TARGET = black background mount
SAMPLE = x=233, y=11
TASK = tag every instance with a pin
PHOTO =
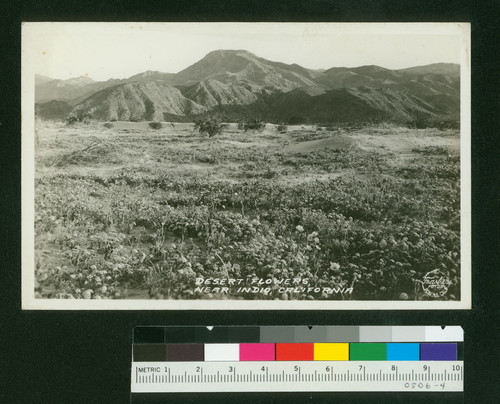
x=84, y=356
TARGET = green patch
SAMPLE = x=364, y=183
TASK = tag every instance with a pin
x=367, y=352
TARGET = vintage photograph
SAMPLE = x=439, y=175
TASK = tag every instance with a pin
x=246, y=166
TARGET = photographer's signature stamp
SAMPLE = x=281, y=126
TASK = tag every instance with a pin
x=435, y=283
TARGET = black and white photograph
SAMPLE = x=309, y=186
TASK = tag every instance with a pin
x=218, y=166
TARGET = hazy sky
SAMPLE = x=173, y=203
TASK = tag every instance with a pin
x=120, y=50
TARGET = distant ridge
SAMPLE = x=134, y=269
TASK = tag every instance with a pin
x=239, y=84
x=41, y=79
x=435, y=68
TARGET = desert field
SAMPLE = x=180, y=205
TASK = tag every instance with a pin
x=315, y=213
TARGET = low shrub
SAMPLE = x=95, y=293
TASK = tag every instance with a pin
x=72, y=119
x=254, y=124
x=155, y=125
x=108, y=125
x=282, y=128
x=78, y=116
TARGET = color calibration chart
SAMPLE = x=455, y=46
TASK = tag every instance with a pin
x=297, y=358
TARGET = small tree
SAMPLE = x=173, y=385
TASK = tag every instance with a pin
x=211, y=125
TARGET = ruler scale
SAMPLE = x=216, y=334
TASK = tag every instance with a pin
x=301, y=359
x=374, y=376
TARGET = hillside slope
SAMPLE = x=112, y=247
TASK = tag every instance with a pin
x=211, y=93
x=53, y=110
x=139, y=101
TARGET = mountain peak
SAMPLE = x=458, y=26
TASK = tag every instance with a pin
x=149, y=73
x=228, y=52
x=228, y=55
x=82, y=80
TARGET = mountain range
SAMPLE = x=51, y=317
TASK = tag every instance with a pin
x=241, y=85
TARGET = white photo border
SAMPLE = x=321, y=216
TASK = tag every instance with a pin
x=29, y=302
